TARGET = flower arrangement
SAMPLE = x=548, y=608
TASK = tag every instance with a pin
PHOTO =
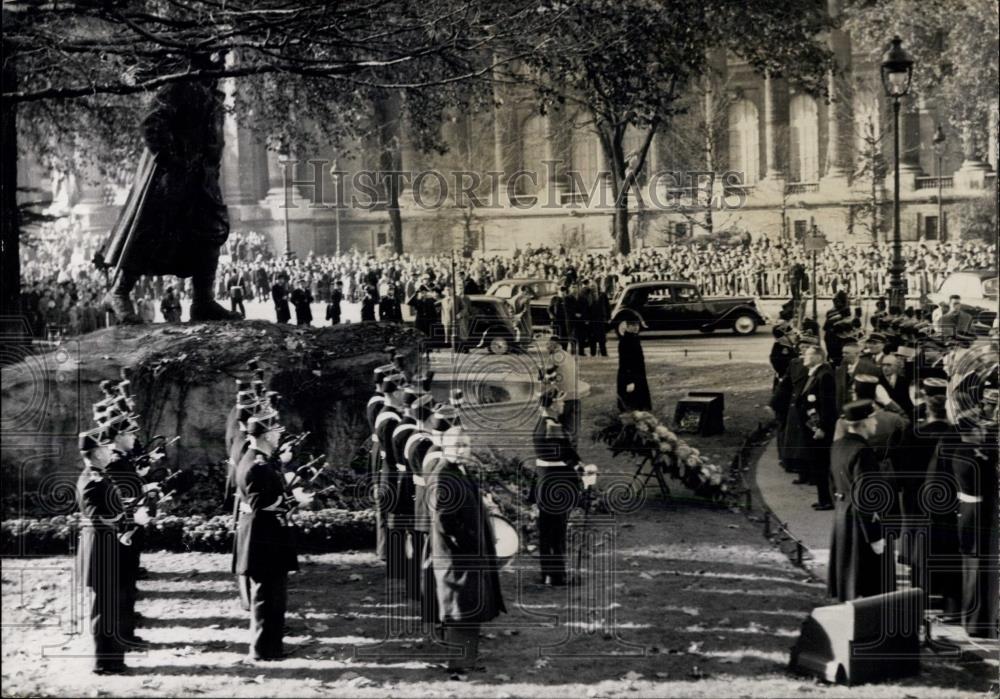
x=640, y=433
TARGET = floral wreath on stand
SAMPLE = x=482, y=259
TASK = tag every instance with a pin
x=641, y=434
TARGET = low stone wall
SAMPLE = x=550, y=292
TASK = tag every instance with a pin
x=183, y=379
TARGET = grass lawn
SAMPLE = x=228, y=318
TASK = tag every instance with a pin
x=680, y=598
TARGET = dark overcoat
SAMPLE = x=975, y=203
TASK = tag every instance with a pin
x=632, y=369
x=463, y=549
x=175, y=209
x=855, y=569
x=99, y=556
x=976, y=475
x=265, y=544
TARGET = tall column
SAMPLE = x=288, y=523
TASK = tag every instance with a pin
x=500, y=129
x=237, y=168
x=839, y=118
x=775, y=134
x=909, y=142
x=557, y=147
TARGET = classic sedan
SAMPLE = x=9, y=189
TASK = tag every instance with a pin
x=542, y=292
x=679, y=305
x=978, y=289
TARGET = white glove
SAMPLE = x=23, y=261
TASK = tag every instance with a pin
x=302, y=497
x=285, y=455
x=289, y=477
x=156, y=455
x=150, y=486
x=142, y=471
x=878, y=547
x=629, y=388
x=141, y=516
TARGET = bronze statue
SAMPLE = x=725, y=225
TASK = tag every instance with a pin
x=174, y=220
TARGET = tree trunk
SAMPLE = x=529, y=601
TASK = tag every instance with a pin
x=387, y=116
x=10, y=225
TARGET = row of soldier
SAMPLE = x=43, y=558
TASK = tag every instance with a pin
x=912, y=414
x=118, y=490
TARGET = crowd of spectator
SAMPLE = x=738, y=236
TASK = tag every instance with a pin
x=62, y=291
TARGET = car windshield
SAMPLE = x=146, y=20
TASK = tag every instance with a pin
x=543, y=288
x=990, y=288
x=485, y=309
x=964, y=285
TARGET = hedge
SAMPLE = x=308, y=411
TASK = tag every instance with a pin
x=320, y=531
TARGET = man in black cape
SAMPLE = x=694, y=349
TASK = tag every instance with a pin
x=174, y=220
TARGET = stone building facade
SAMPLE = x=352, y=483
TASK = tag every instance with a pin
x=799, y=162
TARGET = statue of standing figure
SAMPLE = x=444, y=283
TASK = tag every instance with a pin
x=174, y=220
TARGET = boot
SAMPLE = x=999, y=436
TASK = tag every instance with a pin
x=203, y=303
x=119, y=301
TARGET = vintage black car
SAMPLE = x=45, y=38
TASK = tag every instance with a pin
x=492, y=326
x=542, y=291
x=978, y=290
x=679, y=305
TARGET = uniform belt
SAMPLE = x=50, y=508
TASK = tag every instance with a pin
x=419, y=480
x=544, y=464
x=965, y=497
x=245, y=509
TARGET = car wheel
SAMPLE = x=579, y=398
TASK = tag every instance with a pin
x=745, y=325
x=498, y=345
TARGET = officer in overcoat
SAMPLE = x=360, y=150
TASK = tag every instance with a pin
x=463, y=551
x=859, y=563
x=557, y=487
x=265, y=548
x=101, y=511
x=175, y=219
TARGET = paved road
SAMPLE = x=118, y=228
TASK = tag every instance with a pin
x=693, y=346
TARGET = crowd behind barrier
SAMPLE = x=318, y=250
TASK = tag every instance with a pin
x=62, y=291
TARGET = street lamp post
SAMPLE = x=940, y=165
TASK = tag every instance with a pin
x=897, y=71
x=938, y=141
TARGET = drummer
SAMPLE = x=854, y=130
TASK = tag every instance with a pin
x=557, y=486
x=466, y=577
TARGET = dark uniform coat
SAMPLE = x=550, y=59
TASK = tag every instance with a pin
x=855, y=570
x=265, y=542
x=783, y=403
x=632, y=370
x=99, y=548
x=175, y=209
x=462, y=545
x=388, y=491
x=976, y=475
x=282, y=311
x=100, y=566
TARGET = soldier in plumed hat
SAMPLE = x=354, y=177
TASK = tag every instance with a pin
x=265, y=552
x=101, y=511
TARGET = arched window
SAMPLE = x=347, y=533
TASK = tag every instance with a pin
x=744, y=146
x=804, y=136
